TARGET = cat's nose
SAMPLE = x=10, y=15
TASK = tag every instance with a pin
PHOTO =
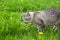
x=26, y=19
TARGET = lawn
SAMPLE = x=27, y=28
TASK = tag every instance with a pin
x=13, y=28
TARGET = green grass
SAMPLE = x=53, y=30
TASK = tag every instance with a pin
x=12, y=27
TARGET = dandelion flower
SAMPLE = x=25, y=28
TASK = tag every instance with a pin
x=40, y=33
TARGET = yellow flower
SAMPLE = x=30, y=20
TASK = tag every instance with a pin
x=40, y=33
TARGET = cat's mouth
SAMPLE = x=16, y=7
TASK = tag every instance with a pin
x=26, y=22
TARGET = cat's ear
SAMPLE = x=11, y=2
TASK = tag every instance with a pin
x=28, y=14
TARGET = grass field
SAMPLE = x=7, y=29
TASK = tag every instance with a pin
x=12, y=27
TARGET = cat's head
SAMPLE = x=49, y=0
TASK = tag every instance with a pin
x=26, y=17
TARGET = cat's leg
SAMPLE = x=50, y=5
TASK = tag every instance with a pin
x=55, y=28
x=40, y=28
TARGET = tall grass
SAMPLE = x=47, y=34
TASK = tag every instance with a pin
x=12, y=27
x=27, y=5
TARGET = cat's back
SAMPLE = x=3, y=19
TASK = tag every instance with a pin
x=49, y=16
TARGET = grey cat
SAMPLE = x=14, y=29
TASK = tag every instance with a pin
x=43, y=18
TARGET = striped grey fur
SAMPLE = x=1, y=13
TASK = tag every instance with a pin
x=43, y=18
